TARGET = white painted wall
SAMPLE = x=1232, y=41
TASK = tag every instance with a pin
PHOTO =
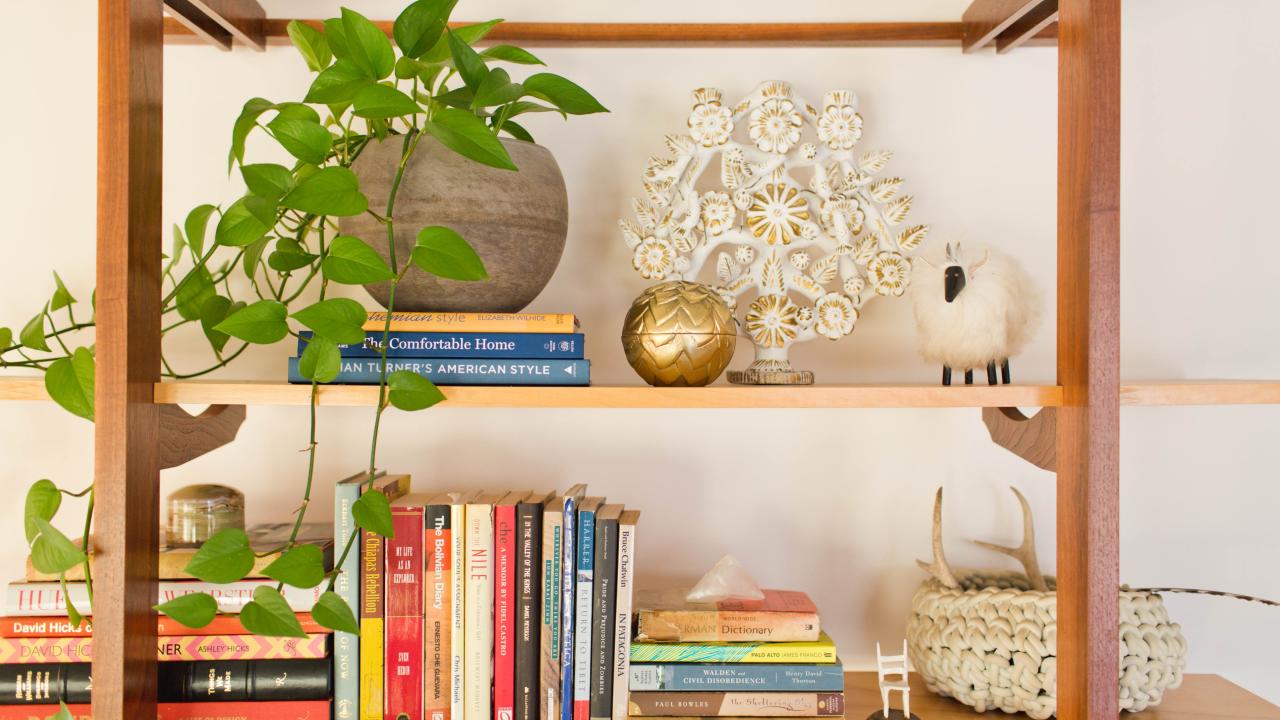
x=834, y=502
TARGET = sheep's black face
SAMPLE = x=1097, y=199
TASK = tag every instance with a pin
x=954, y=281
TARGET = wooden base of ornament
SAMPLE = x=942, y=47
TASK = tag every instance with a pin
x=770, y=372
x=894, y=714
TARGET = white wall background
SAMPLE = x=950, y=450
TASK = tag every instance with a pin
x=834, y=502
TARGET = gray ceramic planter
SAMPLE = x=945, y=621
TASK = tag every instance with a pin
x=516, y=221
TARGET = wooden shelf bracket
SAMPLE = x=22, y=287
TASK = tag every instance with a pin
x=185, y=437
x=219, y=22
x=1034, y=439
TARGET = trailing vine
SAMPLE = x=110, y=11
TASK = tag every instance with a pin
x=281, y=243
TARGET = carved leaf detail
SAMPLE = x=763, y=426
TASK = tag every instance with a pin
x=680, y=144
x=896, y=211
x=868, y=248
x=740, y=284
x=885, y=190
x=874, y=162
x=911, y=238
x=658, y=190
x=630, y=233
x=824, y=271
x=807, y=285
x=771, y=277
x=644, y=213
x=732, y=172
x=726, y=269
x=684, y=240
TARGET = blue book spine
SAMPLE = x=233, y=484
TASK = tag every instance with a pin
x=346, y=646
x=583, y=604
x=366, y=371
x=565, y=346
x=568, y=565
x=742, y=677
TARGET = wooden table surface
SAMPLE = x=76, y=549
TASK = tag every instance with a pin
x=1200, y=696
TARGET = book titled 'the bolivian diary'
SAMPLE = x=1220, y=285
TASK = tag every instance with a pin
x=438, y=581
x=781, y=616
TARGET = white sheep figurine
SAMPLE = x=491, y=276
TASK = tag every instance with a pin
x=974, y=315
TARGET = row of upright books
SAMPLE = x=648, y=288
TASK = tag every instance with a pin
x=465, y=349
x=216, y=672
x=735, y=658
x=507, y=605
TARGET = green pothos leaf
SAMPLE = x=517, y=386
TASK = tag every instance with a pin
x=226, y=557
x=269, y=614
x=332, y=612
x=410, y=391
x=195, y=610
x=51, y=551
x=301, y=566
x=43, y=501
x=69, y=381
x=372, y=512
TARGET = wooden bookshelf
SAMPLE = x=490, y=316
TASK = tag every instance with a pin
x=1200, y=697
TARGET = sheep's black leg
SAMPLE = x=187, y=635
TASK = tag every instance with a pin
x=968, y=376
x=946, y=375
x=991, y=373
x=1004, y=371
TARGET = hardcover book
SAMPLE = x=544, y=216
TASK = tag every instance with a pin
x=736, y=704
x=50, y=627
x=782, y=616
x=730, y=677
x=463, y=345
x=473, y=322
x=528, y=604
x=438, y=613
x=373, y=608
x=170, y=649
x=605, y=604
x=822, y=651
x=622, y=620
x=470, y=371
x=279, y=710
x=478, y=666
x=41, y=599
x=262, y=538
x=568, y=590
x=346, y=646
x=458, y=631
x=504, y=605
x=583, y=607
x=405, y=608
x=555, y=534
x=225, y=680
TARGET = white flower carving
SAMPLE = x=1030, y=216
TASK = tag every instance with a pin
x=772, y=321
x=890, y=273
x=710, y=123
x=777, y=213
x=836, y=316
x=654, y=258
x=775, y=125
x=718, y=213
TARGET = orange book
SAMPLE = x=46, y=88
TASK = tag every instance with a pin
x=473, y=322
x=781, y=616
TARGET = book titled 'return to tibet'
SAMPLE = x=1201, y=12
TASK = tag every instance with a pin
x=737, y=704
x=822, y=651
x=568, y=346
x=468, y=371
x=473, y=322
x=781, y=616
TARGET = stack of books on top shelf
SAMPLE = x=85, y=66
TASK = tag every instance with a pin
x=765, y=658
x=218, y=671
x=508, y=605
x=465, y=349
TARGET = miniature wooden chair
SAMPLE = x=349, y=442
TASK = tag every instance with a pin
x=899, y=668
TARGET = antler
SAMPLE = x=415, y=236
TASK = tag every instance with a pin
x=1025, y=553
x=939, y=568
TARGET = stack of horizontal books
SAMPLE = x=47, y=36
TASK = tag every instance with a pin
x=218, y=671
x=757, y=658
x=508, y=605
x=465, y=349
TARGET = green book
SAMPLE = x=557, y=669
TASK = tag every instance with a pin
x=820, y=651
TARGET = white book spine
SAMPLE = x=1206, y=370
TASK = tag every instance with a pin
x=457, y=635
x=478, y=666
x=622, y=620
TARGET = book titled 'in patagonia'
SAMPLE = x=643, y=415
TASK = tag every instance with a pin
x=567, y=346
x=443, y=371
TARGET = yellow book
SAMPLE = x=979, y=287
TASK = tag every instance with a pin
x=821, y=651
x=473, y=322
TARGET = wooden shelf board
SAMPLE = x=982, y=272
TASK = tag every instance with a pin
x=1201, y=392
x=605, y=396
x=553, y=34
x=1199, y=698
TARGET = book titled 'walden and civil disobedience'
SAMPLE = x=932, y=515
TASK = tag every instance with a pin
x=781, y=616
x=470, y=371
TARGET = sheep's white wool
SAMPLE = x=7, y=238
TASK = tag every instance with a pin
x=991, y=319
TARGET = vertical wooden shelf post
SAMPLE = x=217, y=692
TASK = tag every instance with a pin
x=126, y=471
x=1088, y=358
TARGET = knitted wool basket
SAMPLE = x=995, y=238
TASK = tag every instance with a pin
x=992, y=644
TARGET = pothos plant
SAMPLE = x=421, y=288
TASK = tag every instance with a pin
x=266, y=271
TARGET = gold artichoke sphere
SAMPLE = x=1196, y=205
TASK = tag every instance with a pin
x=679, y=334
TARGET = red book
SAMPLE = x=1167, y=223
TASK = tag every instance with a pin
x=42, y=627
x=504, y=605
x=405, y=553
x=291, y=710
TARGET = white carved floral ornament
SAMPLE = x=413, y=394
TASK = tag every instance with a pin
x=813, y=251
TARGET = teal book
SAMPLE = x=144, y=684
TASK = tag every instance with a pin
x=346, y=646
x=734, y=677
x=469, y=371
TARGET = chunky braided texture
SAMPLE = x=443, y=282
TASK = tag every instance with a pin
x=992, y=645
